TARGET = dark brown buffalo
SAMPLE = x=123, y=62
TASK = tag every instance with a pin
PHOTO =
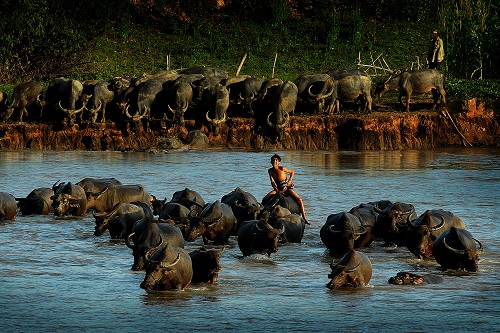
x=94, y=185
x=293, y=223
x=392, y=220
x=120, y=220
x=37, y=202
x=415, y=82
x=456, y=249
x=341, y=233
x=180, y=97
x=258, y=236
x=403, y=278
x=8, y=206
x=206, y=265
x=422, y=232
x=149, y=233
x=108, y=198
x=215, y=223
x=244, y=205
x=25, y=96
x=282, y=103
x=69, y=199
x=220, y=104
x=353, y=270
x=169, y=268
x=189, y=198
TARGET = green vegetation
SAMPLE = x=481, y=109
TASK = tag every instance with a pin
x=42, y=39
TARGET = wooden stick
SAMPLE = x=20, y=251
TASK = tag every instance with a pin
x=371, y=66
x=387, y=65
x=465, y=142
x=241, y=64
x=274, y=65
x=373, y=63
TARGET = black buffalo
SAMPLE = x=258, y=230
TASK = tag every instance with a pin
x=456, y=249
x=69, y=199
x=353, y=270
x=120, y=220
x=148, y=233
x=258, y=236
x=169, y=268
x=244, y=205
x=294, y=224
x=25, y=96
x=206, y=265
x=341, y=233
x=215, y=223
x=423, y=231
x=37, y=202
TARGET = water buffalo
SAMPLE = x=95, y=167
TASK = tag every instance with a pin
x=206, y=265
x=347, y=88
x=283, y=200
x=392, y=221
x=69, y=199
x=341, y=233
x=189, y=198
x=148, y=233
x=309, y=85
x=120, y=220
x=180, y=97
x=25, y=96
x=258, y=236
x=215, y=223
x=456, y=249
x=169, y=268
x=293, y=223
x=283, y=102
x=148, y=98
x=176, y=212
x=37, y=202
x=108, y=198
x=244, y=205
x=103, y=95
x=353, y=270
x=220, y=104
x=403, y=278
x=70, y=93
x=415, y=81
x=206, y=71
x=423, y=231
x=94, y=185
x=8, y=206
x=251, y=88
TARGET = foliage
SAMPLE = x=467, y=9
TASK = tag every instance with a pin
x=130, y=38
x=463, y=89
x=472, y=34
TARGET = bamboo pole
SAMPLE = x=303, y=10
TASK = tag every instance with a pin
x=465, y=142
x=241, y=64
x=274, y=65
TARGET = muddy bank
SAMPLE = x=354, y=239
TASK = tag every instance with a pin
x=381, y=130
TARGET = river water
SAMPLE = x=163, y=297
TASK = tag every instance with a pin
x=56, y=276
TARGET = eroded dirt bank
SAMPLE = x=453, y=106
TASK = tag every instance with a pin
x=380, y=130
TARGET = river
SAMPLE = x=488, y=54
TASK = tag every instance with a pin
x=56, y=276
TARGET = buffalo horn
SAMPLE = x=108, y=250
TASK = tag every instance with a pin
x=354, y=268
x=128, y=240
x=286, y=122
x=479, y=243
x=165, y=265
x=62, y=109
x=462, y=252
x=439, y=226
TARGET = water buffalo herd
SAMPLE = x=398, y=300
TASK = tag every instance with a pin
x=209, y=96
x=157, y=230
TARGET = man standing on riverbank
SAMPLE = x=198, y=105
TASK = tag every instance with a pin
x=436, y=51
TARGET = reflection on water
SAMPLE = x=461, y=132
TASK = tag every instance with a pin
x=57, y=276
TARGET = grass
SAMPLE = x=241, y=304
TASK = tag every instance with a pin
x=134, y=50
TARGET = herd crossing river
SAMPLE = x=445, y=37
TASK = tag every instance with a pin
x=57, y=276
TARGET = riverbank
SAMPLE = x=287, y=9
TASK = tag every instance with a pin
x=383, y=129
